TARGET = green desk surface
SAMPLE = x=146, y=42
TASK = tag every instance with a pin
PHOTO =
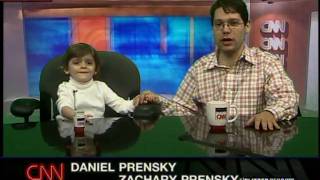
x=158, y=139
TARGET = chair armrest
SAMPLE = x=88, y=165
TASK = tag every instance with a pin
x=22, y=107
x=147, y=111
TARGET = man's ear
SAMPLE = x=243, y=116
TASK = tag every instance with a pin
x=247, y=27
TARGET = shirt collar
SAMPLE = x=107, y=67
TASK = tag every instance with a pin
x=78, y=85
x=246, y=55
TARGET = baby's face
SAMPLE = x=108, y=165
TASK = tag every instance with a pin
x=82, y=69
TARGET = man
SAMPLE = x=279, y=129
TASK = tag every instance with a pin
x=253, y=80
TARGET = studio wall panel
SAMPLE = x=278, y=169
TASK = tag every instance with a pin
x=45, y=38
x=92, y=30
x=162, y=47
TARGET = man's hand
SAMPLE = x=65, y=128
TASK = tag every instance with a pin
x=265, y=119
x=146, y=97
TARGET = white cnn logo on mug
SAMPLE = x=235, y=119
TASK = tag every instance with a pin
x=221, y=114
x=218, y=113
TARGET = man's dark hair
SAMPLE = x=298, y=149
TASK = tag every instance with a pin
x=79, y=50
x=231, y=6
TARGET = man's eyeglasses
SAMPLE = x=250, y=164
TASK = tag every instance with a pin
x=232, y=24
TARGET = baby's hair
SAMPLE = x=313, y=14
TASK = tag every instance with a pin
x=79, y=50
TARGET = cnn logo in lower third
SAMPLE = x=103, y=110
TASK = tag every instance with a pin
x=40, y=171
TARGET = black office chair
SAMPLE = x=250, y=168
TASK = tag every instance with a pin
x=116, y=70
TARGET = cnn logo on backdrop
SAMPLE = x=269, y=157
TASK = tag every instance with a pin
x=40, y=171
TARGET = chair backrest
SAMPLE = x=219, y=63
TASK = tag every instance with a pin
x=116, y=70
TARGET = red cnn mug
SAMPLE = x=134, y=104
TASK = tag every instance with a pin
x=79, y=124
x=218, y=113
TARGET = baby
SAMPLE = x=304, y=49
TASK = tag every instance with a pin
x=82, y=92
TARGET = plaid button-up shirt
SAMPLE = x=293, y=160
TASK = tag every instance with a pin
x=255, y=83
